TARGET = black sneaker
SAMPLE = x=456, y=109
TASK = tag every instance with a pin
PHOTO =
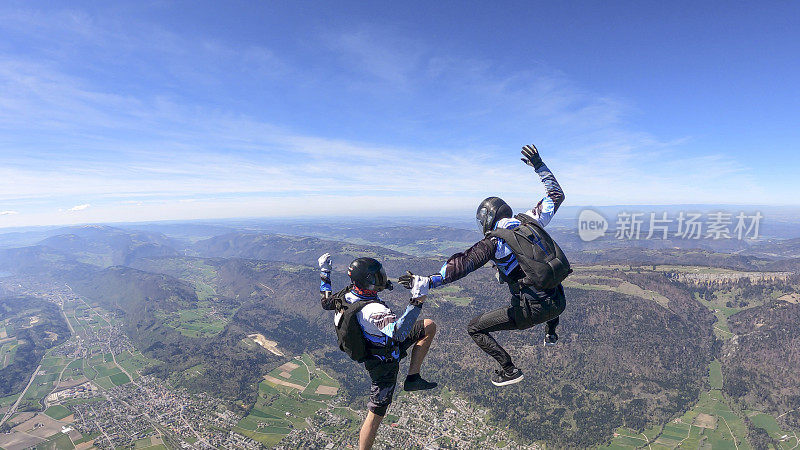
x=418, y=384
x=504, y=378
x=550, y=340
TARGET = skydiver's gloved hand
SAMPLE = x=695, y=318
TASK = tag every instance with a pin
x=530, y=156
x=325, y=263
x=418, y=285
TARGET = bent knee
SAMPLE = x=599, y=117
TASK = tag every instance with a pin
x=378, y=410
x=430, y=327
x=472, y=328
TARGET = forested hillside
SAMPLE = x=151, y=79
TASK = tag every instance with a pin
x=636, y=338
x=37, y=326
x=762, y=363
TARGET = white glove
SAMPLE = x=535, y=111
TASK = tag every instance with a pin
x=419, y=286
x=325, y=262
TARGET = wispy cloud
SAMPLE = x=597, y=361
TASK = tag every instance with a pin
x=367, y=52
x=148, y=152
x=8, y=213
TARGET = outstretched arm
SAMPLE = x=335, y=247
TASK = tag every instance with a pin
x=325, y=291
x=462, y=264
x=544, y=211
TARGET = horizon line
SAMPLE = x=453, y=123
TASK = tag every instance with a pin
x=454, y=214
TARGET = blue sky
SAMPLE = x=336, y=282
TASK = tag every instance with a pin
x=127, y=111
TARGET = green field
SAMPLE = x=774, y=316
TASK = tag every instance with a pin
x=269, y=440
x=268, y=421
x=107, y=369
x=7, y=351
x=195, y=322
x=298, y=375
x=6, y=401
x=59, y=441
x=319, y=378
x=279, y=409
x=43, y=383
x=95, y=360
x=119, y=379
x=104, y=382
x=589, y=280
x=105, y=373
x=52, y=362
x=310, y=391
x=76, y=364
x=89, y=372
x=729, y=426
x=143, y=443
x=308, y=362
x=766, y=422
x=133, y=363
x=771, y=426
x=195, y=271
x=450, y=294
x=728, y=429
x=627, y=438
x=58, y=412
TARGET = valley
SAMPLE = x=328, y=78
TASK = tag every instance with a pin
x=226, y=346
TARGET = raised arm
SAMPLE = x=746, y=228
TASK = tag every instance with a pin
x=544, y=211
x=325, y=291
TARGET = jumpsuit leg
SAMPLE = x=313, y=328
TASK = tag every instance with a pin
x=540, y=307
x=497, y=320
x=551, y=326
x=545, y=306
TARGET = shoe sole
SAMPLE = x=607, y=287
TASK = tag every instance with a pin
x=550, y=344
x=506, y=383
x=418, y=389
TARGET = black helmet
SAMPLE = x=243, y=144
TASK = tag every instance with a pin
x=368, y=273
x=490, y=211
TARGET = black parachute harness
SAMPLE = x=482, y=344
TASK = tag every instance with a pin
x=542, y=261
x=349, y=333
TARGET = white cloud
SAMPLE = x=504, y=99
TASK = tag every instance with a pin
x=180, y=160
x=8, y=213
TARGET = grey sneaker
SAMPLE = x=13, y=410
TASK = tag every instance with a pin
x=550, y=340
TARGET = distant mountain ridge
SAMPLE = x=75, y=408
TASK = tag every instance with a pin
x=108, y=246
x=304, y=250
